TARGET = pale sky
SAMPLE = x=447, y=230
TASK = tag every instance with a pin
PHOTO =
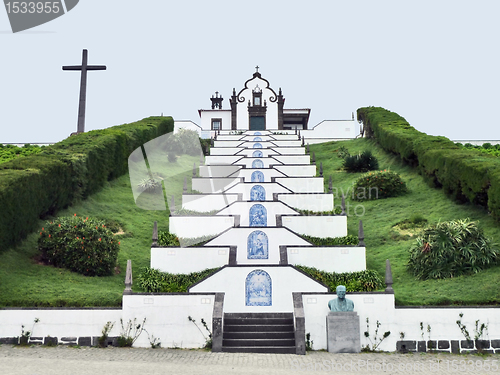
x=436, y=63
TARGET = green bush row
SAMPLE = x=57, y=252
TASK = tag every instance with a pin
x=152, y=280
x=36, y=186
x=464, y=174
x=361, y=281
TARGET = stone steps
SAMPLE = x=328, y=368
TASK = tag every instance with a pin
x=258, y=333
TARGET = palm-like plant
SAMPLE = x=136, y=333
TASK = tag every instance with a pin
x=450, y=249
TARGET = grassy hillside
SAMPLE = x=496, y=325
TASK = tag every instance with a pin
x=385, y=242
x=24, y=282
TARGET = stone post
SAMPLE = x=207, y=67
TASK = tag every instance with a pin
x=314, y=158
x=155, y=234
x=330, y=187
x=343, y=205
x=185, y=188
x=388, y=277
x=194, y=169
x=172, y=206
x=217, y=322
x=321, y=169
x=361, y=234
x=128, y=278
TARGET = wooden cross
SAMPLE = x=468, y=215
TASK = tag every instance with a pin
x=83, y=87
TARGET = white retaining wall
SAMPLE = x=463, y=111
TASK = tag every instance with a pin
x=213, y=185
x=247, y=162
x=269, y=187
x=311, y=202
x=183, y=226
x=317, y=226
x=302, y=184
x=207, y=202
x=246, y=174
x=243, y=209
x=290, y=150
x=380, y=307
x=297, y=170
x=329, y=259
x=293, y=159
x=58, y=322
x=167, y=317
x=188, y=259
x=221, y=159
x=231, y=280
x=217, y=170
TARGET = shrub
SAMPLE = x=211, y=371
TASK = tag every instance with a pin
x=151, y=185
x=380, y=184
x=169, y=239
x=361, y=281
x=81, y=245
x=363, y=162
x=450, y=249
x=153, y=281
x=172, y=158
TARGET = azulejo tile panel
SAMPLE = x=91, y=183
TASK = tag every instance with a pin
x=257, y=154
x=258, y=193
x=258, y=216
x=257, y=176
x=257, y=145
x=258, y=289
x=257, y=163
x=257, y=245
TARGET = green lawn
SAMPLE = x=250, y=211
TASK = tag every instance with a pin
x=383, y=242
x=23, y=282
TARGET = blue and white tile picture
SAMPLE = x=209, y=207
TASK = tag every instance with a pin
x=258, y=193
x=257, y=245
x=257, y=145
x=258, y=289
x=257, y=163
x=257, y=133
x=257, y=176
x=258, y=216
x=257, y=154
x=257, y=139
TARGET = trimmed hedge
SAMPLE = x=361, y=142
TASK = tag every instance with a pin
x=465, y=175
x=36, y=186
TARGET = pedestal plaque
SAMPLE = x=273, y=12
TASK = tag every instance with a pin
x=343, y=332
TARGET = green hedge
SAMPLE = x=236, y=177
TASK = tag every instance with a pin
x=465, y=175
x=36, y=186
x=360, y=281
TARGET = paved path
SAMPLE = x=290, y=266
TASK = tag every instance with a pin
x=39, y=360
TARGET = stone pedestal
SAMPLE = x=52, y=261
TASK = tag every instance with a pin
x=343, y=332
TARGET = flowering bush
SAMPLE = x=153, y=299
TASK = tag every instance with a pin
x=79, y=244
x=376, y=185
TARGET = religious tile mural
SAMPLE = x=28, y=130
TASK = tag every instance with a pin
x=257, y=176
x=257, y=133
x=258, y=216
x=257, y=163
x=257, y=139
x=257, y=154
x=258, y=193
x=257, y=245
x=258, y=289
x=257, y=145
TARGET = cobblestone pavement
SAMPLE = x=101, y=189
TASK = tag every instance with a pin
x=39, y=360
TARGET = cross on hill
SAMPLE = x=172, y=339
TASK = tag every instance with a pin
x=83, y=87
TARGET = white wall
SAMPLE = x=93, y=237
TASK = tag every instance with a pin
x=221, y=159
x=213, y=185
x=246, y=174
x=58, y=322
x=268, y=162
x=293, y=159
x=290, y=150
x=329, y=259
x=328, y=129
x=287, y=143
x=297, y=170
x=227, y=142
x=167, y=317
x=224, y=150
x=217, y=170
x=311, y=202
x=208, y=114
x=302, y=184
x=317, y=226
x=265, y=152
x=407, y=320
x=182, y=226
x=207, y=202
x=188, y=259
x=270, y=188
x=231, y=281
x=243, y=209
